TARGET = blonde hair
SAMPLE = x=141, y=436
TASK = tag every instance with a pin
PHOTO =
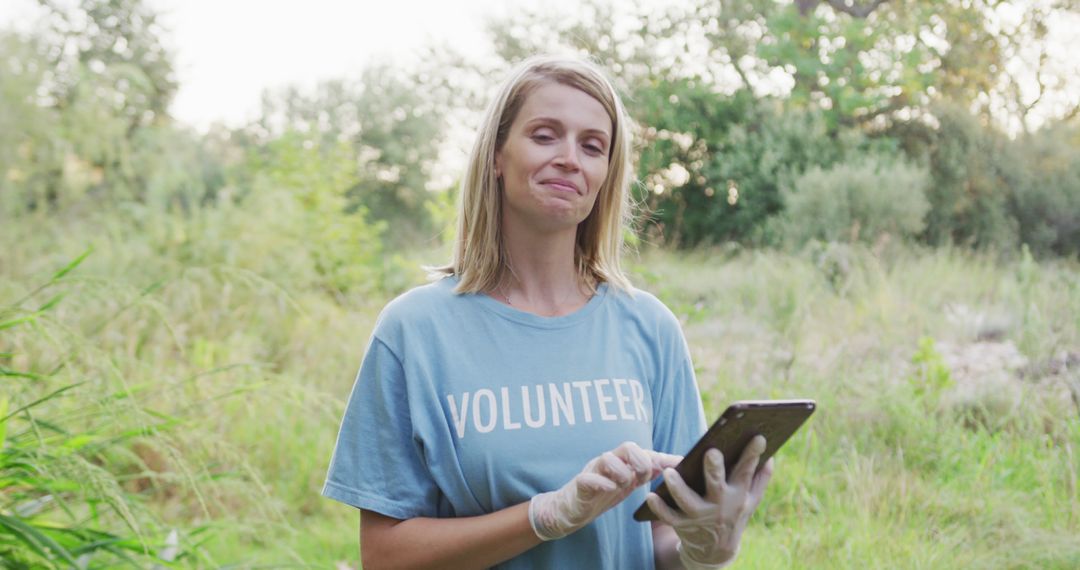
x=479, y=256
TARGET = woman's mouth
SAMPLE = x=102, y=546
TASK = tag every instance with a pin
x=562, y=185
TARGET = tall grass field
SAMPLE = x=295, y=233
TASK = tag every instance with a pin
x=172, y=387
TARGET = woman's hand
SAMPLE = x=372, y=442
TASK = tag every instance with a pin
x=710, y=527
x=603, y=483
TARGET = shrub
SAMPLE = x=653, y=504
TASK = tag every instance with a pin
x=296, y=215
x=1046, y=194
x=863, y=201
x=972, y=170
x=712, y=165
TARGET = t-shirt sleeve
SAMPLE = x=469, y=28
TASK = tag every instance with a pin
x=377, y=464
x=679, y=419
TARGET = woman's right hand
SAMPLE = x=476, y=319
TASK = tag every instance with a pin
x=603, y=483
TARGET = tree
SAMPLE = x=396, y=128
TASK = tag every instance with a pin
x=1045, y=184
x=394, y=132
x=118, y=43
x=712, y=167
x=971, y=166
x=83, y=92
x=30, y=156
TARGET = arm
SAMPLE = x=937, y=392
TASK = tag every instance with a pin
x=467, y=542
x=485, y=540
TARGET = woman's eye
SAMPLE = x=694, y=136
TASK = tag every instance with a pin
x=543, y=138
x=594, y=149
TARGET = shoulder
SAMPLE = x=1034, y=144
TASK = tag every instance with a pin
x=420, y=299
x=416, y=307
x=644, y=307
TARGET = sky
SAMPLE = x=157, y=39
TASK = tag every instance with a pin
x=229, y=51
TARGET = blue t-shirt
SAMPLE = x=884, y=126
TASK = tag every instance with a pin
x=465, y=406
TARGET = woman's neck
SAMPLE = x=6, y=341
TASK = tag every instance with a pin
x=541, y=276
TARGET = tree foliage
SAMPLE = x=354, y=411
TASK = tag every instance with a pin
x=1046, y=190
x=712, y=168
x=733, y=101
x=972, y=178
x=736, y=99
x=30, y=156
x=868, y=200
x=391, y=131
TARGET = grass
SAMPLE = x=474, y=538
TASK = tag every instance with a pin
x=210, y=376
x=888, y=475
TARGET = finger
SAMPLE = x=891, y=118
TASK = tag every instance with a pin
x=615, y=469
x=685, y=498
x=639, y=463
x=715, y=477
x=661, y=461
x=744, y=469
x=642, y=464
x=591, y=484
x=662, y=510
x=761, y=480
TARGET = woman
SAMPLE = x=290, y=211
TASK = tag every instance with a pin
x=511, y=413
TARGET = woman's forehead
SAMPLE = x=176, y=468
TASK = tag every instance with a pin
x=555, y=102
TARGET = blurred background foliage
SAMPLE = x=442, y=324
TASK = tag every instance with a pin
x=736, y=99
x=212, y=264
x=734, y=102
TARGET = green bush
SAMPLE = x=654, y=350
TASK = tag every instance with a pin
x=863, y=201
x=736, y=152
x=300, y=195
x=972, y=170
x=1046, y=195
x=30, y=153
x=392, y=128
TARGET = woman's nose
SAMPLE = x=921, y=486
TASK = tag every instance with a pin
x=568, y=156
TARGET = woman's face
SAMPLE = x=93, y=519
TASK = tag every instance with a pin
x=554, y=159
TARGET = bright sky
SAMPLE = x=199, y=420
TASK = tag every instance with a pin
x=229, y=51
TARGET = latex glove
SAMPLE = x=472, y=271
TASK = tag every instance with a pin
x=710, y=527
x=603, y=483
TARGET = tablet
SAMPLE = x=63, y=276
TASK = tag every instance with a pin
x=777, y=420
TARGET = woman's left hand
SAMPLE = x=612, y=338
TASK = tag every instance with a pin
x=710, y=527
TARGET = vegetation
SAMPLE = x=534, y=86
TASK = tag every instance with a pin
x=210, y=397
x=895, y=471
x=861, y=203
